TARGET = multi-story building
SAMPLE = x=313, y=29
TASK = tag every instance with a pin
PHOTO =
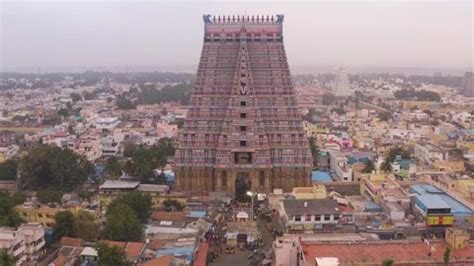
x=467, y=85
x=341, y=84
x=243, y=130
x=308, y=215
x=44, y=215
x=24, y=243
x=339, y=166
x=6, y=138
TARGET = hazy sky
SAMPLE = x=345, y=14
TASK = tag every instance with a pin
x=107, y=33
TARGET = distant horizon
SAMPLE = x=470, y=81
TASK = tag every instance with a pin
x=191, y=69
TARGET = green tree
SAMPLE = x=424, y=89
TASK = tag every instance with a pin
x=384, y=116
x=386, y=166
x=144, y=162
x=172, y=205
x=8, y=216
x=75, y=97
x=122, y=224
x=9, y=169
x=6, y=259
x=17, y=198
x=129, y=149
x=166, y=147
x=113, y=168
x=108, y=255
x=85, y=226
x=138, y=202
x=48, y=167
x=64, y=224
x=455, y=154
x=63, y=112
x=125, y=104
x=446, y=255
x=397, y=151
x=314, y=151
x=49, y=195
x=369, y=167
x=388, y=262
x=328, y=99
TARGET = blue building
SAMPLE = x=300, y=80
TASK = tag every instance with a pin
x=434, y=203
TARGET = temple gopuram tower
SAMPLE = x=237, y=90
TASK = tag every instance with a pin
x=243, y=130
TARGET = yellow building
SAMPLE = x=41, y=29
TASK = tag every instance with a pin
x=374, y=185
x=449, y=166
x=457, y=238
x=45, y=215
x=157, y=200
x=466, y=187
x=113, y=189
x=422, y=105
x=314, y=192
x=437, y=139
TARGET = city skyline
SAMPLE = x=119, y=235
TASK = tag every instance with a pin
x=320, y=35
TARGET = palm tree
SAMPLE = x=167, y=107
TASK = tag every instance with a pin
x=386, y=166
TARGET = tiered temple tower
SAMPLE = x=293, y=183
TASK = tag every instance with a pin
x=243, y=130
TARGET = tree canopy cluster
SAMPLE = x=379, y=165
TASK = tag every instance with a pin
x=110, y=255
x=386, y=165
x=8, y=216
x=314, y=150
x=177, y=93
x=9, y=169
x=384, y=116
x=50, y=167
x=81, y=224
x=417, y=95
x=125, y=216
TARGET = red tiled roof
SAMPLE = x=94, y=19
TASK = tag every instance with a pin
x=72, y=242
x=134, y=249
x=201, y=255
x=378, y=252
x=160, y=261
x=59, y=261
x=168, y=216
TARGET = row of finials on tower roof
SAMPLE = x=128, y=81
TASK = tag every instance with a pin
x=238, y=18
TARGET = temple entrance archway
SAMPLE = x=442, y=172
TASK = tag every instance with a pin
x=242, y=185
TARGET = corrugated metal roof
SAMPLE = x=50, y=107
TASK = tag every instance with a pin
x=433, y=201
x=119, y=184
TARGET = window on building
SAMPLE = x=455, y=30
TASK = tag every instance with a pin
x=262, y=178
x=317, y=217
x=243, y=128
x=243, y=143
x=327, y=217
x=243, y=115
x=336, y=217
x=243, y=103
x=308, y=218
x=297, y=218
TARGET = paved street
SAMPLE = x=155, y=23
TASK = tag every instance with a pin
x=239, y=258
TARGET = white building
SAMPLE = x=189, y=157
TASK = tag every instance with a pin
x=288, y=251
x=107, y=122
x=428, y=153
x=339, y=166
x=24, y=243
